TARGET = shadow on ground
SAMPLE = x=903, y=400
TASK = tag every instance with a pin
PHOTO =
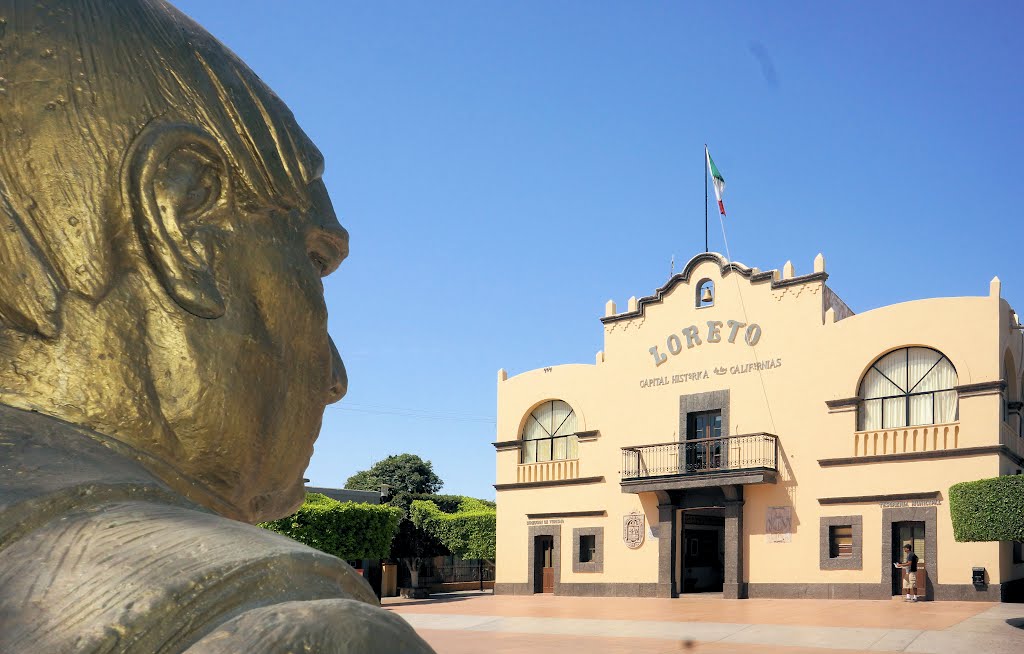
x=435, y=598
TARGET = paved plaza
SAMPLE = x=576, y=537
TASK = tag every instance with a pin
x=460, y=623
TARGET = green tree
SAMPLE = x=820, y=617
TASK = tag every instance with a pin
x=413, y=547
x=469, y=532
x=404, y=473
x=345, y=529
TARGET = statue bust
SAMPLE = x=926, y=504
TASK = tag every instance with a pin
x=165, y=358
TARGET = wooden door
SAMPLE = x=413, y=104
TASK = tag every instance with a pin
x=549, y=581
x=908, y=533
x=544, y=580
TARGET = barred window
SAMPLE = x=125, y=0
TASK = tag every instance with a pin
x=550, y=433
x=907, y=387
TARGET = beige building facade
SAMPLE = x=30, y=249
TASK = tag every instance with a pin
x=745, y=432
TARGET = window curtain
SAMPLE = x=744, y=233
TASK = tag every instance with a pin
x=536, y=427
x=940, y=380
x=563, y=419
x=870, y=414
x=551, y=419
x=908, y=387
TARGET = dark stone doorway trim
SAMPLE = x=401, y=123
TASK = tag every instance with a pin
x=927, y=515
x=698, y=402
x=555, y=532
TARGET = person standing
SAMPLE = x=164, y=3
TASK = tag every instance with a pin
x=910, y=579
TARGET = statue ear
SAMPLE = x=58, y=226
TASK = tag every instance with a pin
x=176, y=178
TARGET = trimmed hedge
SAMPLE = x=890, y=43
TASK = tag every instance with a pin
x=469, y=532
x=988, y=509
x=447, y=503
x=347, y=530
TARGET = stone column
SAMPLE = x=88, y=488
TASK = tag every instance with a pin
x=733, y=587
x=666, y=545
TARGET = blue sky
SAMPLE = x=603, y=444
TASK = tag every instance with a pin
x=506, y=168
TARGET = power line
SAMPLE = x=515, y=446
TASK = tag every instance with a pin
x=405, y=412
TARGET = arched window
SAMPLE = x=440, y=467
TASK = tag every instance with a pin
x=907, y=387
x=705, y=294
x=550, y=433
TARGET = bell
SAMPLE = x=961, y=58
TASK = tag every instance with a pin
x=706, y=295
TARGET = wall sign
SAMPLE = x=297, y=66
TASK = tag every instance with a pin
x=778, y=524
x=717, y=371
x=713, y=334
x=903, y=503
x=633, y=529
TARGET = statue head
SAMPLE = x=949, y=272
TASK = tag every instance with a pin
x=163, y=234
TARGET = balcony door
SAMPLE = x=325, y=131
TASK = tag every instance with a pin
x=704, y=454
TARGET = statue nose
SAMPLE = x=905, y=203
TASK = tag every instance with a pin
x=339, y=377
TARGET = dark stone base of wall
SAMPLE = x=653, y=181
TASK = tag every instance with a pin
x=734, y=591
x=1012, y=591
x=608, y=590
x=940, y=592
x=818, y=591
x=512, y=589
x=968, y=593
x=589, y=590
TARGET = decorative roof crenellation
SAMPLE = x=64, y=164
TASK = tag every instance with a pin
x=753, y=275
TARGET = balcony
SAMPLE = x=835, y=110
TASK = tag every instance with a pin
x=547, y=471
x=745, y=459
x=899, y=440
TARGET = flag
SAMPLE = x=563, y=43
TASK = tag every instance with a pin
x=716, y=179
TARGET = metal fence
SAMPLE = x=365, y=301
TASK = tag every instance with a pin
x=443, y=572
x=704, y=455
x=453, y=573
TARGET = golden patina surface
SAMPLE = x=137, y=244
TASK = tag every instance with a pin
x=164, y=357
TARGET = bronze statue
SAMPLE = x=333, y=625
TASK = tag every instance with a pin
x=165, y=358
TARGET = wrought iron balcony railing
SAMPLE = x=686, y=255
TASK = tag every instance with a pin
x=703, y=456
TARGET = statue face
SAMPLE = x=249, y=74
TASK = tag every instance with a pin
x=263, y=372
x=164, y=273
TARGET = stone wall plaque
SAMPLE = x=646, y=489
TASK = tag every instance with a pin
x=633, y=529
x=778, y=524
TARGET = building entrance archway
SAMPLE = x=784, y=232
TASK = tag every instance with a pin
x=700, y=550
x=715, y=559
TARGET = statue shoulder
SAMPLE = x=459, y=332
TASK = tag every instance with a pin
x=327, y=626
x=50, y=467
x=87, y=532
x=155, y=575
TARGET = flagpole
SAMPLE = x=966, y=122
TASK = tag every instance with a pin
x=705, y=197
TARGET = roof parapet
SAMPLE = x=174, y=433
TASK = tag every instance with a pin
x=754, y=275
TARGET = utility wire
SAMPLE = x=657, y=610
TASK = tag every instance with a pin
x=424, y=414
x=743, y=305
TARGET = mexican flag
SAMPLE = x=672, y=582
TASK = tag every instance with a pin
x=716, y=179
